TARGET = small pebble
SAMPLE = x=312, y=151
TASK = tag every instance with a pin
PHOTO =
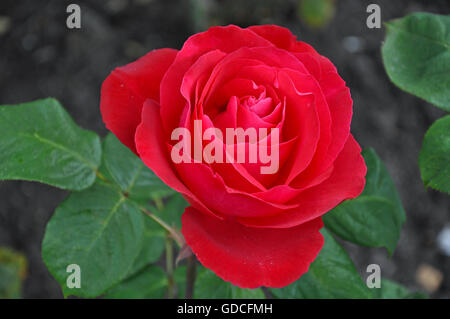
x=143, y=2
x=353, y=44
x=443, y=241
x=115, y=6
x=29, y=42
x=134, y=49
x=429, y=277
x=5, y=24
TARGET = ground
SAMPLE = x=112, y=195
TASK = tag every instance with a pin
x=40, y=57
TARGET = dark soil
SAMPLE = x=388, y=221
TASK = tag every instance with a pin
x=40, y=57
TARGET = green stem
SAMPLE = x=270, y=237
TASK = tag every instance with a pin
x=191, y=273
x=159, y=203
x=101, y=176
x=173, y=233
x=169, y=269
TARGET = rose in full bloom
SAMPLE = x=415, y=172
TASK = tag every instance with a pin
x=251, y=229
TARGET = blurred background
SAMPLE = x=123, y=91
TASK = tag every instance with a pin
x=40, y=57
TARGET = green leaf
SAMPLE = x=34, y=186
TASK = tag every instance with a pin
x=151, y=283
x=393, y=290
x=130, y=173
x=331, y=275
x=209, y=286
x=40, y=142
x=434, y=157
x=416, y=55
x=98, y=229
x=152, y=247
x=13, y=269
x=102, y=209
x=375, y=218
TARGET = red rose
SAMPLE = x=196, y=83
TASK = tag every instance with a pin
x=250, y=228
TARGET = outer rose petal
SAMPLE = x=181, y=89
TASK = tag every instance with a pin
x=333, y=87
x=152, y=150
x=211, y=190
x=345, y=182
x=279, y=36
x=226, y=39
x=126, y=88
x=340, y=104
x=251, y=257
x=282, y=38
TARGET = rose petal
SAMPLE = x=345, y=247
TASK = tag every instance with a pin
x=237, y=87
x=279, y=36
x=346, y=182
x=233, y=174
x=192, y=86
x=262, y=107
x=256, y=60
x=124, y=91
x=340, y=105
x=282, y=194
x=152, y=150
x=226, y=39
x=211, y=190
x=284, y=151
x=302, y=121
x=248, y=119
x=250, y=257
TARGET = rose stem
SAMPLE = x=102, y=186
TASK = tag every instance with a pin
x=169, y=269
x=100, y=175
x=177, y=237
x=159, y=204
x=190, y=276
x=172, y=233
